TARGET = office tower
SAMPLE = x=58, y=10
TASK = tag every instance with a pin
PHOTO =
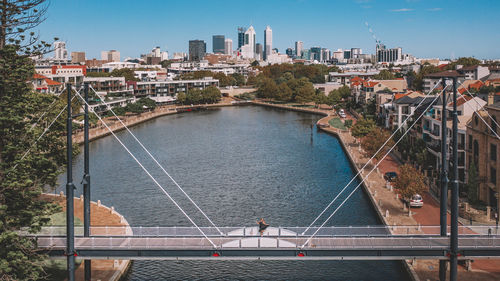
x=259, y=51
x=388, y=55
x=355, y=52
x=228, y=46
x=78, y=57
x=112, y=55
x=325, y=54
x=268, y=42
x=338, y=55
x=60, y=52
x=316, y=53
x=218, y=44
x=197, y=50
x=248, y=49
x=241, y=36
x=299, y=47
x=347, y=54
x=156, y=52
x=306, y=54
x=289, y=52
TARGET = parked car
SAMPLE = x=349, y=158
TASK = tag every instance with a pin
x=390, y=176
x=416, y=201
x=342, y=113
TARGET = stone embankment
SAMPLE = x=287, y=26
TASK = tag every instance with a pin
x=101, y=216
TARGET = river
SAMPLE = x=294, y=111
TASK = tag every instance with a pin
x=239, y=164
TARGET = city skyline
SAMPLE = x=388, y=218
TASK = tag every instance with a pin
x=397, y=23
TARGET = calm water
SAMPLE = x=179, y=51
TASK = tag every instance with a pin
x=238, y=164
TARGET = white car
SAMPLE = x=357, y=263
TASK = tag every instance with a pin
x=342, y=113
x=416, y=201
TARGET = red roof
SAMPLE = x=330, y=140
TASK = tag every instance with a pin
x=398, y=96
x=82, y=67
x=39, y=76
x=461, y=100
x=357, y=79
x=442, y=66
x=476, y=85
x=370, y=84
x=49, y=81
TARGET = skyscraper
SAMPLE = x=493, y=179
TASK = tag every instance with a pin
x=241, y=36
x=299, y=46
x=268, y=42
x=60, y=52
x=197, y=50
x=289, y=52
x=112, y=55
x=228, y=47
x=316, y=53
x=218, y=44
x=325, y=54
x=258, y=51
x=248, y=49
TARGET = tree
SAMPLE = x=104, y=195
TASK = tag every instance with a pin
x=23, y=179
x=345, y=92
x=409, y=182
x=472, y=183
x=320, y=98
x=334, y=97
x=128, y=73
x=211, y=94
x=305, y=93
x=374, y=140
x=384, y=75
x=16, y=17
x=239, y=79
x=284, y=92
x=181, y=98
x=362, y=127
x=267, y=88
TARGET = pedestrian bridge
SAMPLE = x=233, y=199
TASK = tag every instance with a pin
x=243, y=243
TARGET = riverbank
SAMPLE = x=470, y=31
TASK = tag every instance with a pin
x=105, y=270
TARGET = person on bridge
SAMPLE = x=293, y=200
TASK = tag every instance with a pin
x=262, y=226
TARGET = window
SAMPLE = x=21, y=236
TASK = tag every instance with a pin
x=493, y=152
x=494, y=125
x=476, y=152
x=470, y=142
x=493, y=175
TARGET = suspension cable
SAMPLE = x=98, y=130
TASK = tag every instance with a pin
x=147, y=172
x=366, y=164
x=157, y=163
x=378, y=163
x=49, y=108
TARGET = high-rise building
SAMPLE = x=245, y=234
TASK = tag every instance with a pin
x=60, y=52
x=299, y=46
x=388, y=55
x=259, y=51
x=355, y=52
x=268, y=42
x=156, y=52
x=241, y=36
x=338, y=55
x=228, y=46
x=347, y=54
x=248, y=49
x=306, y=54
x=197, y=50
x=325, y=54
x=289, y=52
x=218, y=44
x=112, y=55
x=78, y=57
x=316, y=53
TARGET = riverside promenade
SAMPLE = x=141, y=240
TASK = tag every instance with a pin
x=104, y=270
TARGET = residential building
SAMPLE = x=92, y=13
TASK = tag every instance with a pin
x=197, y=50
x=109, y=86
x=345, y=77
x=299, y=46
x=474, y=72
x=433, y=80
x=112, y=55
x=228, y=46
x=268, y=42
x=483, y=149
x=78, y=57
x=60, y=52
x=371, y=87
x=63, y=73
x=166, y=91
x=432, y=135
x=45, y=85
x=218, y=42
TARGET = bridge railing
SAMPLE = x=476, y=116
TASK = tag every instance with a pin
x=334, y=231
x=338, y=243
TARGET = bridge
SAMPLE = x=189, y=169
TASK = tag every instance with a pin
x=281, y=243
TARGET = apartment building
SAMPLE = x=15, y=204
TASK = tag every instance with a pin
x=63, y=73
x=483, y=149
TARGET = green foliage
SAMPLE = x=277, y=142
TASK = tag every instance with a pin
x=337, y=123
x=239, y=80
x=472, y=183
x=128, y=73
x=334, y=97
x=362, y=127
x=267, y=88
x=348, y=123
x=22, y=180
x=384, y=75
x=418, y=81
x=195, y=96
x=410, y=181
x=464, y=61
x=284, y=92
x=374, y=140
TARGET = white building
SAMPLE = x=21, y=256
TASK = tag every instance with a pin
x=228, y=46
x=338, y=55
x=268, y=42
x=248, y=49
x=60, y=52
x=112, y=55
x=299, y=46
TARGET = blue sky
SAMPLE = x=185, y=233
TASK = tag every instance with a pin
x=424, y=28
